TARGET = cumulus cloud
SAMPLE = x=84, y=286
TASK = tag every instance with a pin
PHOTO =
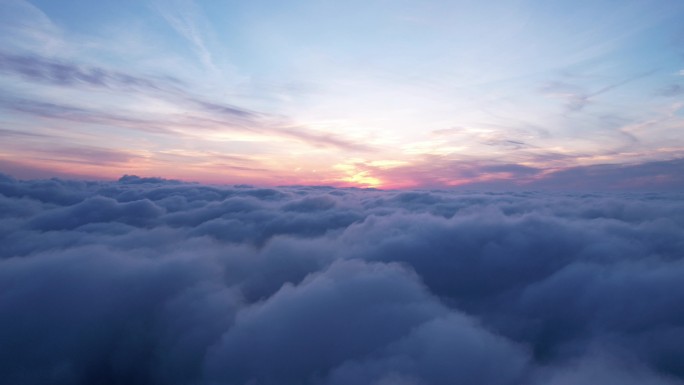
x=154, y=281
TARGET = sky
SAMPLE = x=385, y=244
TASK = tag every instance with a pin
x=386, y=94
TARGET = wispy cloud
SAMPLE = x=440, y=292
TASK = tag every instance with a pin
x=577, y=99
x=64, y=73
x=4, y=132
x=201, y=116
x=186, y=18
x=87, y=155
x=227, y=119
x=23, y=25
x=671, y=90
x=81, y=115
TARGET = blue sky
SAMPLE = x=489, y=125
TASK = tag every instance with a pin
x=365, y=93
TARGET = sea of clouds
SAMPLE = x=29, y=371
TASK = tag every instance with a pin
x=150, y=281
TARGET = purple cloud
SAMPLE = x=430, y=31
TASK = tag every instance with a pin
x=58, y=72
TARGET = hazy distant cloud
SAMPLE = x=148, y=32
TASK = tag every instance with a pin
x=440, y=172
x=661, y=175
x=87, y=154
x=134, y=179
x=515, y=169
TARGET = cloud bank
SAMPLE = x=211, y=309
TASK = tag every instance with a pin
x=151, y=281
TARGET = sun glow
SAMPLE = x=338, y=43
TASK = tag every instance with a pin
x=363, y=179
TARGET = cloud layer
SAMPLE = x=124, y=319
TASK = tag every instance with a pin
x=151, y=281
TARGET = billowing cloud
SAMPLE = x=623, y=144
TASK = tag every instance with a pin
x=154, y=281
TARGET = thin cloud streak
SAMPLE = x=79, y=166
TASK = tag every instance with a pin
x=64, y=74
x=41, y=69
x=185, y=17
x=576, y=100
